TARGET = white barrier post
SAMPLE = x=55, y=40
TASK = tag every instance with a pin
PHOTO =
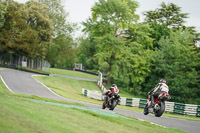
x=135, y=102
x=123, y=101
x=190, y=109
x=169, y=106
x=100, y=79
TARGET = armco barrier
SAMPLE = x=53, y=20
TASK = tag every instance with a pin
x=198, y=111
x=142, y=103
x=128, y=101
x=95, y=95
x=179, y=108
x=92, y=94
x=190, y=109
x=84, y=92
x=135, y=102
x=103, y=89
x=123, y=101
x=169, y=106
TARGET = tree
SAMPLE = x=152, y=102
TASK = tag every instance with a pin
x=86, y=52
x=58, y=16
x=170, y=15
x=159, y=31
x=140, y=55
x=14, y=33
x=39, y=21
x=63, y=48
x=62, y=54
x=2, y=13
x=106, y=29
x=27, y=30
x=178, y=62
x=113, y=52
x=162, y=19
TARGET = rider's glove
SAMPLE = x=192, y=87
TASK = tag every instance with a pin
x=150, y=92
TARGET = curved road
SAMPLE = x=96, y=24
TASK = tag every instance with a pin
x=23, y=82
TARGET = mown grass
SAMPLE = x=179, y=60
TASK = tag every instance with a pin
x=72, y=73
x=70, y=88
x=19, y=115
x=85, y=75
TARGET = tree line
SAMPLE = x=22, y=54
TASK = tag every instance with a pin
x=37, y=29
x=135, y=55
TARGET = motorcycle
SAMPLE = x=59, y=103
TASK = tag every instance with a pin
x=159, y=105
x=112, y=100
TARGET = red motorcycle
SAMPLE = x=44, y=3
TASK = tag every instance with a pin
x=111, y=100
x=159, y=105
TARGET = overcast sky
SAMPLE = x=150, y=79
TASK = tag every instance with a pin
x=80, y=10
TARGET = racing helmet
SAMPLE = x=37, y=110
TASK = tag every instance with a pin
x=114, y=85
x=163, y=81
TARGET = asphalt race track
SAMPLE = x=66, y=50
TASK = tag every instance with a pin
x=23, y=82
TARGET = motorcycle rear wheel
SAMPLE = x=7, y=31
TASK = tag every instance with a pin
x=146, y=112
x=161, y=110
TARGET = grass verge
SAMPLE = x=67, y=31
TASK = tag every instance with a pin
x=69, y=88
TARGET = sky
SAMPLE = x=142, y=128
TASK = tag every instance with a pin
x=80, y=10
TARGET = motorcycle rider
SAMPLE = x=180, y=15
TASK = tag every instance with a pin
x=110, y=92
x=162, y=86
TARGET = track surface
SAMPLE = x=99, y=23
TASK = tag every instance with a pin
x=23, y=82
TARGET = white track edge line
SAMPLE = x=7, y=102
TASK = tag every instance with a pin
x=45, y=85
x=5, y=84
x=153, y=123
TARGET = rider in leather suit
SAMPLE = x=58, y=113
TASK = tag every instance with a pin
x=162, y=86
x=109, y=92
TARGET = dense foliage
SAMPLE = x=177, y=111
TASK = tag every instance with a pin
x=37, y=29
x=178, y=62
x=61, y=52
x=26, y=31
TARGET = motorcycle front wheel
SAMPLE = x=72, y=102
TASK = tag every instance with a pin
x=113, y=104
x=103, y=106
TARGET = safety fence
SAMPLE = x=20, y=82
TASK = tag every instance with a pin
x=174, y=107
x=100, y=83
x=24, y=62
x=92, y=94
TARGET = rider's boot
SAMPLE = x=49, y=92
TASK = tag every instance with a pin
x=152, y=101
x=106, y=101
